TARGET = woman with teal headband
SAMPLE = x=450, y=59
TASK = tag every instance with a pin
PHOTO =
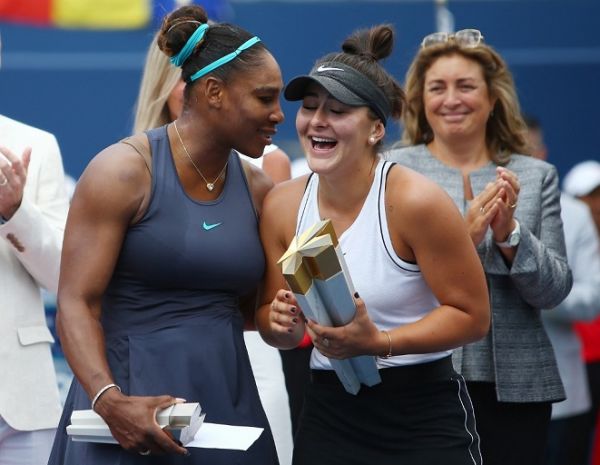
x=162, y=257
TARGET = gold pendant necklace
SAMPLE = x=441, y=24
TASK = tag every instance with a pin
x=209, y=185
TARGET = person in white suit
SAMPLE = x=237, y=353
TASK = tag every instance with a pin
x=33, y=210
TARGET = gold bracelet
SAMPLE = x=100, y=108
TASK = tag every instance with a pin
x=389, y=354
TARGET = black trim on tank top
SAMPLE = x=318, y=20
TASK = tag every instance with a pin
x=307, y=181
x=394, y=257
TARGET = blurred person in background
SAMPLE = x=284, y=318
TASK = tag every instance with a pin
x=583, y=182
x=33, y=211
x=160, y=102
x=569, y=432
x=465, y=131
x=162, y=251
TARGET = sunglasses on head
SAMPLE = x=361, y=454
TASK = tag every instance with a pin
x=465, y=38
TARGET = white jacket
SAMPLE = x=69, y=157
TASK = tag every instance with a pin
x=30, y=247
x=582, y=303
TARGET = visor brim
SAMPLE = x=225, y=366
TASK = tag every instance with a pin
x=296, y=89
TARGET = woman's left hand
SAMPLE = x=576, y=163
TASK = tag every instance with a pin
x=359, y=337
x=503, y=222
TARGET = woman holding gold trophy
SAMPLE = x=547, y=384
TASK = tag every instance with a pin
x=420, y=288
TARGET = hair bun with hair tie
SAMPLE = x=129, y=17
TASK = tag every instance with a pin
x=190, y=45
x=368, y=55
x=179, y=23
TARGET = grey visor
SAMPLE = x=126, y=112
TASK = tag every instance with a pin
x=345, y=84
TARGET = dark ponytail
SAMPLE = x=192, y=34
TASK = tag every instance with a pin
x=362, y=51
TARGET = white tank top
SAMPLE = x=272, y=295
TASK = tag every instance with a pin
x=394, y=290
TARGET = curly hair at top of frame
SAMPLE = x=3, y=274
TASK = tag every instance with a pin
x=505, y=130
x=219, y=40
x=363, y=50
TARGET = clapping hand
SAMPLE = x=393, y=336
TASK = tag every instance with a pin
x=503, y=222
x=13, y=174
x=494, y=207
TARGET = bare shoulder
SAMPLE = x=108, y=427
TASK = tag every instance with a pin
x=140, y=143
x=117, y=164
x=422, y=217
x=413, y=195
x=116, y=178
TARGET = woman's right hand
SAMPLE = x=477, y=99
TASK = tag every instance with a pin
x=482, y=211
x=132, y=422
x=285, y=316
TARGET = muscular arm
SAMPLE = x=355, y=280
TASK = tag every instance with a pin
x=108, y=197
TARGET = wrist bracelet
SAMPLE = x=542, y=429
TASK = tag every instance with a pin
x=102, y=391
x=389, y=354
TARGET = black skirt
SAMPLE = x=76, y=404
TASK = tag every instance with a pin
x=418, y=415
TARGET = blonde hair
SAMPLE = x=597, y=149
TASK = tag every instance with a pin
x=158, y=81
x=505, y=130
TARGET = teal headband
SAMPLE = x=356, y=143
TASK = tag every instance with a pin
x=188, y=48
x=225, y=59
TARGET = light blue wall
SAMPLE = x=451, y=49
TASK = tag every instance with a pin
x=82, y=85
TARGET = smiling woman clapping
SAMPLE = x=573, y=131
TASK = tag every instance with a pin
x=467, y=134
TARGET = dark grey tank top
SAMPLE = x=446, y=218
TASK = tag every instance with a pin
x=185, y=257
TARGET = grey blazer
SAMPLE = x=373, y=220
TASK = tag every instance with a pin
x=516, y=354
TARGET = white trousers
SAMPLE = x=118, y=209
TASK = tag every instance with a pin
x=268, y=373
x=24, y=447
